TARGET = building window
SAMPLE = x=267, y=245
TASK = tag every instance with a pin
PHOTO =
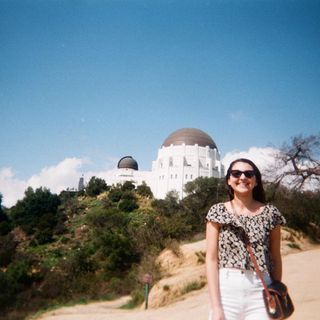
x=171, y=176
x=186, y=176
x=170, y=162
x=190, y=176
x=176, y=176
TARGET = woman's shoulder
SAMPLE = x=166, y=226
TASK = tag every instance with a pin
x=269, y=207
x=218, y=213
x=275, y=215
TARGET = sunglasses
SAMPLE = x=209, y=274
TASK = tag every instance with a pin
x=238, y=173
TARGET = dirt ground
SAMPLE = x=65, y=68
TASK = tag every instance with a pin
x=300, y=274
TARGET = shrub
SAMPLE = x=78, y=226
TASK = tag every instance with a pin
x=37, y=210
x=144, y=190
x=96, y=186
x=115, y=194
x=7, y=249
x=6, y=292
x=128, y=186
x=191, y=286
x=128, y=205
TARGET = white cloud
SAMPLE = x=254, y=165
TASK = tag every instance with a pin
x=264, y=158
x=11, y=188
x=59, y=177
x=65, y=174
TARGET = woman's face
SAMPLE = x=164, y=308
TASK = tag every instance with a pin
x=242, y=178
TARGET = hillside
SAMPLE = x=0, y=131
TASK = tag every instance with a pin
x=168, y=298
x=96, y=246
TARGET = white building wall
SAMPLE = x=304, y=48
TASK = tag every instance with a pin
x=174, y=167
x=177, y=165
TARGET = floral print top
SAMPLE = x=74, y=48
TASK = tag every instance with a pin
x=232, y=247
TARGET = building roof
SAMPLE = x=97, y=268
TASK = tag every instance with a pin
x=189, y=136
x=127, y=162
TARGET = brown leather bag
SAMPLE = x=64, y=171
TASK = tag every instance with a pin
x=276, y=297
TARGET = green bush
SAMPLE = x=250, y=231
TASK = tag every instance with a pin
x=128, y=205
x=96, y=186
x=115, y=194
x=37, y=210
x=128, y=186
x=7, y=249
x=144, y=190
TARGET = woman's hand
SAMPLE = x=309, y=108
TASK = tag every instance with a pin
x=216, y=314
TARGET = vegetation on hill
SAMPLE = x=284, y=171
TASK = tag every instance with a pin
x=97, y=244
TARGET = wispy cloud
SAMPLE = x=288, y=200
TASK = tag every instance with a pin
x=237, y=116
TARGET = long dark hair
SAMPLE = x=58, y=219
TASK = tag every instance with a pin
x=258, y=193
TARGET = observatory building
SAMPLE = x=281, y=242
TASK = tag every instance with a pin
x=185, y=155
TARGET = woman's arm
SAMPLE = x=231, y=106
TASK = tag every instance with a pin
x=275, y=241
x=212, y=238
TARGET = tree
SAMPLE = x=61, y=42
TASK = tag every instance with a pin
x=128, y=186
x=96, y=186
x=202, y=193
x=298, y=162
x=144, y=190
x=37, y=213
x=5, y=226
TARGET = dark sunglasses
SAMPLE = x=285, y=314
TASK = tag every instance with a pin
x=238, y=173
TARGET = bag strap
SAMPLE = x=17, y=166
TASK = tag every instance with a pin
x=271, y=301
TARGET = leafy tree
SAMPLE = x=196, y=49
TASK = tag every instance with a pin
x=300, y=208
x=168, y=206
x=128, y=205
x=7, y=249
x=144, y=190
x=202, y=193
x=128, y=186
x=115, y=194
x=111, y=241
x=5, y=226
x=96, y=186
x=145, y=230
x=37, y=212
x=171, y=217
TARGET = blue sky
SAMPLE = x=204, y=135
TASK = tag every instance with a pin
x=98, y=80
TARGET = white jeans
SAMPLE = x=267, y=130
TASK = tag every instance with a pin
x=241, y=295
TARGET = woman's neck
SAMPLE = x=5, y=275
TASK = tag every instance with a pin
x=243, y=202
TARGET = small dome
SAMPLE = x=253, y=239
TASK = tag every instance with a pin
x=127, y=162
x=189, y=136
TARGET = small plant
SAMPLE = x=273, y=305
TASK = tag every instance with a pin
x=137, y=299
x=191, y=286
x=293, y=245
x=166, y=287
x=201, y=257
x=173, y=245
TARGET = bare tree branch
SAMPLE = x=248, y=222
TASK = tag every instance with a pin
x=298, y=162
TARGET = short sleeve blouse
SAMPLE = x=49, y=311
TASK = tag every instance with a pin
x=232, y=248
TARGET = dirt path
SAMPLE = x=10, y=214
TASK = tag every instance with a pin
x=300, y=274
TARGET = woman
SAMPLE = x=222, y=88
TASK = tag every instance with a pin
x=235, y=290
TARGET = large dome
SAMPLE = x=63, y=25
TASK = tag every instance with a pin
x=189, y=136
x=127, y=162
